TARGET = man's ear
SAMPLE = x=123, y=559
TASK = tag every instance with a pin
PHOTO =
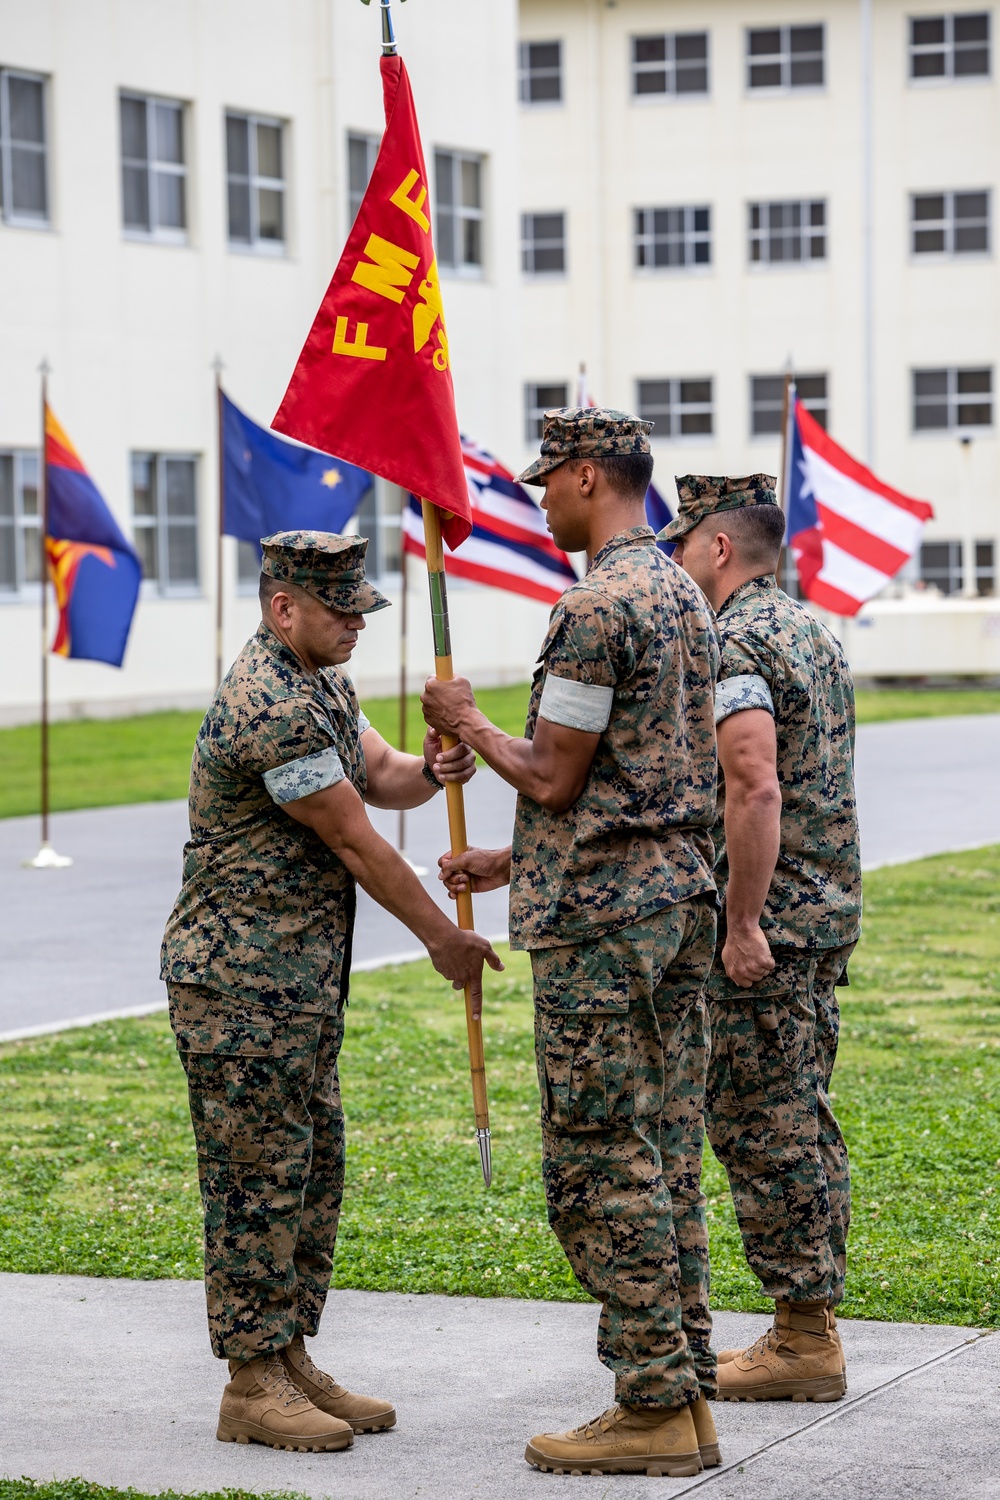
x=586, y=474
x=723, y=549
x=279, y=603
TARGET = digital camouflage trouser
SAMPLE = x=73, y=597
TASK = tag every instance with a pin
x=269, y=1128
x=622, y=1049
x=771, y=1123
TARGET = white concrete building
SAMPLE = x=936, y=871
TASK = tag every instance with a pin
x=684, y=194
x=714, y=188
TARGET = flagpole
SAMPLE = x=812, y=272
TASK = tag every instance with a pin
x=218, y=367
x=786, y=406
x=46, y=858
x=401, y=841
x=444, y=670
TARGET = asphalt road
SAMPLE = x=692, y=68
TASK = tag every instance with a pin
x=84, y=942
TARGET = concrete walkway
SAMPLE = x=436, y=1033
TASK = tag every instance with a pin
x=113, y=1380
x=84, y=942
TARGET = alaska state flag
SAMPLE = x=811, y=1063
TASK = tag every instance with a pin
x=95, y=571
x=271, y=485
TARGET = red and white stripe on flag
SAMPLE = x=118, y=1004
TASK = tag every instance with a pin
x=510, y=547
x=849, y=532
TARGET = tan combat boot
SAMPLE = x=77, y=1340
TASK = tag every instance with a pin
x=364, y=1413
x=725, y=1355
x=624, y=1440
x=800, y=1358
x=708, y=1438
x=262, y=1405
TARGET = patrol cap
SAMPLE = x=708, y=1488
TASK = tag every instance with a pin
x=702, y=495
x=586, y=432
x=330, y=567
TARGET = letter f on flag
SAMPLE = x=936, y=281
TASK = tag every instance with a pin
x=373, y=382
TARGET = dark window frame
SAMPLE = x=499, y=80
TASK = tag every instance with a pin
x=532, y=74
x=672, y=68
x=256, y=183
x=785, y=65
x=20, y=524
x=358, y=142
x=949, y=49
x=673, y=233
x=952, y=393
x=154, y=167
x=808, y=229
x=156, y=528
x=535, y=408
x=766, y=405
x=535, y=245
x=678, y=412
x=11, y=146
x=458, y=223
x=950, y=225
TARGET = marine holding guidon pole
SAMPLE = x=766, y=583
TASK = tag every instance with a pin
x=373, y=384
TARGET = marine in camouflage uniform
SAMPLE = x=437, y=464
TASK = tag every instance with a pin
x=256, y=957
x=774, y=1043
x=613, y=898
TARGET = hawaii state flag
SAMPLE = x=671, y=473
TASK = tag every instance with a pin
x=95, y=571
x=848, y=531
x=510, y=547
x=373, y=382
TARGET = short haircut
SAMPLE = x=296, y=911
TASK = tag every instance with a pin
x=628, y=474
x=268, y=587
x=756, y=532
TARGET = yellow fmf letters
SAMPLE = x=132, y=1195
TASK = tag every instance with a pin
x=414, y=207
x=388, y=269
x=359, y=348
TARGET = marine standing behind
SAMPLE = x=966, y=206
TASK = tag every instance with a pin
x=789, y=867
x=612, y=895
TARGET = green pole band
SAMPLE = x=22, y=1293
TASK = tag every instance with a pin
x=439, y=614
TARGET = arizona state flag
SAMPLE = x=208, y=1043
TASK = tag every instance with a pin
x=96, y=572
x=373, y=382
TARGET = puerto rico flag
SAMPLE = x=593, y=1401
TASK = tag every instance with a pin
x=849, y=532
x=95, y=571
x=510, y=547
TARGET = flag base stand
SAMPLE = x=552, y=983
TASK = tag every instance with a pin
x=47, y=859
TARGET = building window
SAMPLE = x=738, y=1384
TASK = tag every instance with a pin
x=951, y=400
x=247, y=567
x=953, y=46
x=781, y=233
x=539, y=72
x=255, y=180
x=785, y=57
x=458, y=220
x=676, y=63
x=165, y=520
x=667, y=237
x=986, y=573
x=538, y=399
x=20, y=522
x=153, y=170
x=679, y=408
x=380, y=518
x=950, y=223
x=543, y=244
x=362, y=152
x=24, y=194
x=941, y=566
x=767, y=401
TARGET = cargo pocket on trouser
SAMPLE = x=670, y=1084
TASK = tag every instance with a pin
x=231, y=1082
x=583, y=1048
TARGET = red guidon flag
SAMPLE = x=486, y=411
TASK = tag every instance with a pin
x=373, y=382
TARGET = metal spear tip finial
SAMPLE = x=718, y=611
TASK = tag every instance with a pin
x=485, y=1156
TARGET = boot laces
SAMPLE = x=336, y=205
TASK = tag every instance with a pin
x=280, y=1383
x=599, y=1424
x=312, y=1372
x=766, y=1341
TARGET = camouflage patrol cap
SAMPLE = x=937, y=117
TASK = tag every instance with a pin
x=586, y=432
x=702, y=495
x=330, y=567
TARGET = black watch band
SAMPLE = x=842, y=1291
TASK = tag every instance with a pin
x=428, y=775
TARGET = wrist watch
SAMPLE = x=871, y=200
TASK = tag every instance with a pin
x=428, y=775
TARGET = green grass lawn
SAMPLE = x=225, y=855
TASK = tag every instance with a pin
x=103, y=762
x=99, y=1173
x=84, y=1489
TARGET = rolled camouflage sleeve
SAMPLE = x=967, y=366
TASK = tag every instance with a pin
x=746, y=675
x=293, y=749
x=584, y=657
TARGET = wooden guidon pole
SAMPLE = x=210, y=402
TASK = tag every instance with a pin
x=456, y=821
